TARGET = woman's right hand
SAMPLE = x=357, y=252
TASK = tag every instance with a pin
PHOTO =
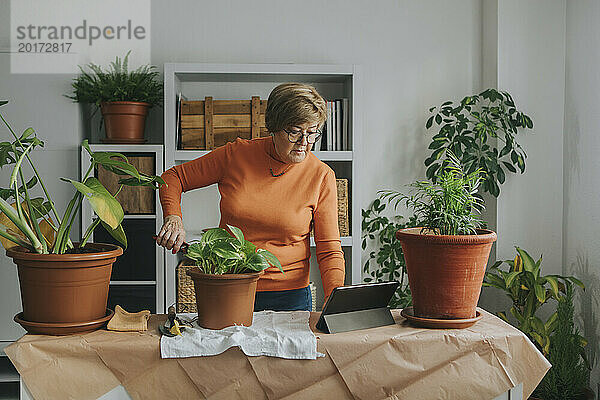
x=172, y=234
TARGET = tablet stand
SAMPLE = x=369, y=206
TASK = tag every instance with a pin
x=355, y=320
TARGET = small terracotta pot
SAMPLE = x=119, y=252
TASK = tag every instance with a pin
x=445, y=272
x=124, y=121
x=65, y=288
x=224, y=300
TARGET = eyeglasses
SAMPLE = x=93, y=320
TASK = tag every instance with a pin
x=296, y=136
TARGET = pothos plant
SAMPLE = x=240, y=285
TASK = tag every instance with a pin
x=218, y=252
x=481, y=131
x=379, y=230
x=528, y=290
x=34, y=223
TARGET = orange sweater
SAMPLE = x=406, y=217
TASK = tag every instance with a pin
x=275, y=213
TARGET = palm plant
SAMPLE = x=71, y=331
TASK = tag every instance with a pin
x=29, y=222
x=448, y=206
x=219, y=252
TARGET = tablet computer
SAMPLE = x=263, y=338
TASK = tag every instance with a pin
x=358, y=307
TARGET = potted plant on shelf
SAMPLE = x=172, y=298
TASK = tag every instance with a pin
x=225, y=281
x=481, y=131
x=64, y=285
x=123, y=96
x=446, y=257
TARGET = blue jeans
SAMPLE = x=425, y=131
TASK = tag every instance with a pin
x=284, y=300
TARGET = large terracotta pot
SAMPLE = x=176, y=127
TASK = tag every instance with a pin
x=224, y=300
x=65, y=288
x=445, y=272
x=124, y=121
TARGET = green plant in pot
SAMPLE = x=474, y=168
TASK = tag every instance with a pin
x=225, y=281
x=556, y=336
x=528, y=290
x=64, y=285
x=481, y=131
x=124, y=97
x=446, y=257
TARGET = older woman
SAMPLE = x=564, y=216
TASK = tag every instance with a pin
x=275, y=190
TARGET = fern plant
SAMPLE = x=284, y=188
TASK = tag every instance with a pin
x=117, y=83
x=448, y=206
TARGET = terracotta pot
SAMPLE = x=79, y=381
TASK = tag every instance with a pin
x=65, y=288
x=445, y=272
x=224, y=300
x=124, y=121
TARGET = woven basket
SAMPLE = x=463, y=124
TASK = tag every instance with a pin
x=186, y=297
x=342, y=198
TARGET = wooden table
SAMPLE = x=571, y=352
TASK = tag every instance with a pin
x=490, y=360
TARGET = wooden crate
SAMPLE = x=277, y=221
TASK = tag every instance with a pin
x=207, y=124
x=133, y=199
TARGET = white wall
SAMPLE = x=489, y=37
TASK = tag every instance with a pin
x=582, y=164
x=413, y=54
x=531, y=66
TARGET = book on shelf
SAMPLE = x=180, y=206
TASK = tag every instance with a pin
x=336, y=131
x=345, y=119
x=338, y=125
x=179, y=98
x=333, y=127
x=329, y=130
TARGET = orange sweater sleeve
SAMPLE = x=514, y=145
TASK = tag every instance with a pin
x=327, y=236
x=201, y=172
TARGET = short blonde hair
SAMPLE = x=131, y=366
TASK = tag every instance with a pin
x=294, y=103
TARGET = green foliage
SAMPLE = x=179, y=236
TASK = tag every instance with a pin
x=529, y=290
x=219, y=253
x=118, y=84
x=388, y=257
x=569, y=375
x=39, y=209
x=480, y=130
x=448, y=206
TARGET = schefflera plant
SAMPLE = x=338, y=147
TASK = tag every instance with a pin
x=29, y=223
x=218, y=252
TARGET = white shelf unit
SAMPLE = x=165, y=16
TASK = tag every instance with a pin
x=242, y=81
x=86, y=212
x=9, y=377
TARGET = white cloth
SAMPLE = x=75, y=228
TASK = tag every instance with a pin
x=277, y=334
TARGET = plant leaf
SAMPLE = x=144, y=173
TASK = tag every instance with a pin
x=103, y=203
x=118, y=234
